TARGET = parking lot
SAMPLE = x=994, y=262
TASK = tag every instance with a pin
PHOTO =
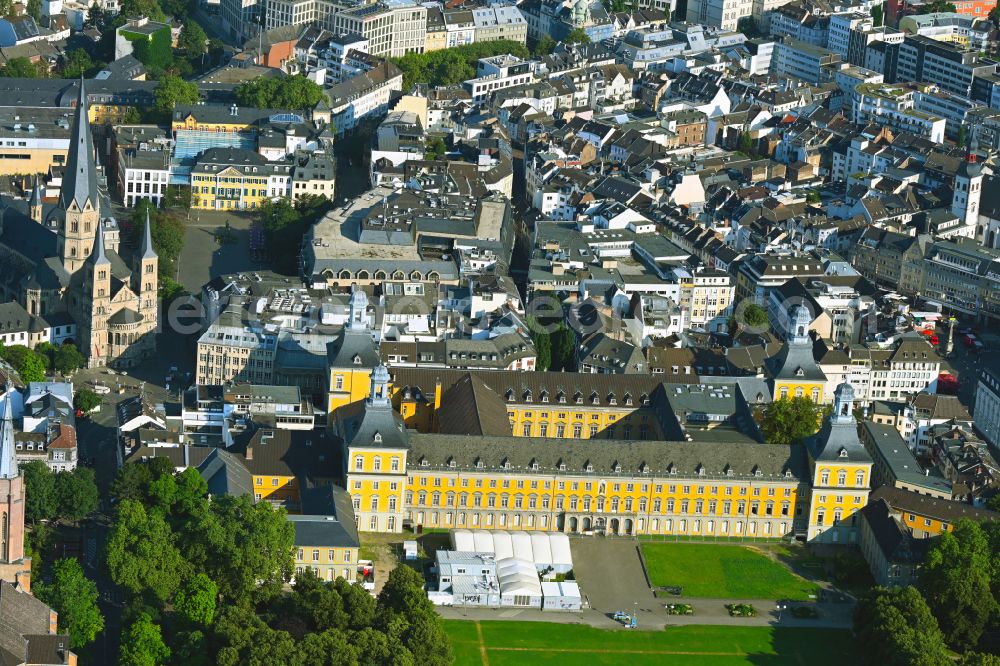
x=610, y=574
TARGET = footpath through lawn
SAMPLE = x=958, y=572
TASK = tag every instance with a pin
x=502, y=643
x=722, y=572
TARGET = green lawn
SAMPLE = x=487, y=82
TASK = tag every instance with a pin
x=511, y=643
x=721, y=571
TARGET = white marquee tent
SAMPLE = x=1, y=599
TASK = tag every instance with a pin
x=545, y=550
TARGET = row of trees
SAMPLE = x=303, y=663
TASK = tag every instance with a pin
x=554, y=350
x=62, y=497
x=284, y=225
x=289, y=92
x=204, y=581
x=450, y=66
x=957, y=600
x=32, y=365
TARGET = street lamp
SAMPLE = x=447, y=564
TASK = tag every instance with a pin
x=780, y=608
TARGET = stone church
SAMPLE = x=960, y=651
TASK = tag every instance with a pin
x=63, y=259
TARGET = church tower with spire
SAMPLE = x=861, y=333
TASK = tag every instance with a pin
x=145, y=278
x=97, y=284
x=14, y=568
x=35, y=202
x=79, y=198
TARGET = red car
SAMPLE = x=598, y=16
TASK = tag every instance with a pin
x=947, y=384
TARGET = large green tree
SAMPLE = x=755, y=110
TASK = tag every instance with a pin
x=76, y=63
x=577, y=36
x=290, y=92
x=173, y=90
x=40, y=499
x=405, y=613
x=246, y=548
x=167, y=234
x=77, y=493
x=897, y=629
x=452, y=66
x=790, y=420
x=68, y=359
x=956, y=580
x=195, y=601
x=142, y=644
x=85, y=400
x=74, y=597
x=193, y=40
x=23, y=68
x=141, y=554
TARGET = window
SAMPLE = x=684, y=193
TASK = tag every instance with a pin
x=359, y=463
x=859, y=479
x=373, y=523
x=824, y=478
x=842, y=478
x=316, y=555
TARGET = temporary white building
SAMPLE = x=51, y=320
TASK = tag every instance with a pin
x=546, y=550
x=463, y=542
x=561, y=596
x=519, y=584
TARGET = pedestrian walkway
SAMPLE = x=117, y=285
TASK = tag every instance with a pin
x=653, y=616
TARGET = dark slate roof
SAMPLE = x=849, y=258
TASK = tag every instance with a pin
x=659, y=458
x=895, y=541
x=838, y=441
x=792, y=358
x=47, y=649
x=364, y=424
x=80, y=177
x=949, y=511
x=353, y=348
x=470, y=407
x=273, y=452
x=125, y=316
x=327, y=518
x=226, y=474
x=588, y=386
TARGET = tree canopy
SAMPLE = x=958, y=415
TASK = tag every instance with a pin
x=142, y=644
x=897, y=629
x=30, y=365
x=167, y=234
x=173, y=90
x=289, y=92
x=71, y=495
x=284, y=225
x=577, y=36
x=447, y=67
x=956, y=580
x=76, y=63
x=74, y=597
x=23, y=68
x=85, y=400
x=790, y=420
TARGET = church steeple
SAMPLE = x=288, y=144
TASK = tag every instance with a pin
x=8, y=466
x=98, y=256
x=79, y=185
x=147, y=241
x=35, y=202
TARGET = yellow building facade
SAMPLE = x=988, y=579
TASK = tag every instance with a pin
x=408, y=468
x=793, y=372
x=352, y=356
x=841, y=471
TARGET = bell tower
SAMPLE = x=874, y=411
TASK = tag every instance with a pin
x=147, y=281
x=14, y=568
x=99, y=285
x=78, y=197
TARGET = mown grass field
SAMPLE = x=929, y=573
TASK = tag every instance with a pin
x=722, y=572
x=497, y=643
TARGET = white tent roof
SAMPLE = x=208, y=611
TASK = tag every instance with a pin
x=550, y=589
x=483, y=541
x=503, y=547
x=521, y=543
x=540, y=548
x=518, y=577
x=559, y=545
x=462, y=541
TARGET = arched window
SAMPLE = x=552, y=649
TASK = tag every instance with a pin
x=824, y=477
x=842, y=478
